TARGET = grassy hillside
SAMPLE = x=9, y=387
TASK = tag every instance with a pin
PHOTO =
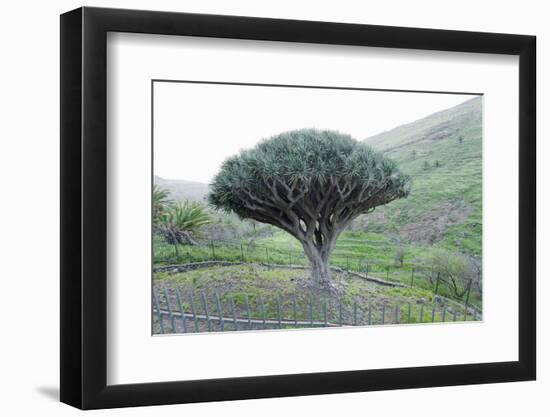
x=180, y=190
x=365, y=253
x=261, y=292
x=442, y=153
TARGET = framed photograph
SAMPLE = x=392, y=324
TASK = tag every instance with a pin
x=257, y=208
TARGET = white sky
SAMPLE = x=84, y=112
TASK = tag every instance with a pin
x=198, y=126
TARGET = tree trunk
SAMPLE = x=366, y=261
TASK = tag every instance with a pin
x=319, y=259
x=320, y=272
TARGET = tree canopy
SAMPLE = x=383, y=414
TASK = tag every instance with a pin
x=310, y=183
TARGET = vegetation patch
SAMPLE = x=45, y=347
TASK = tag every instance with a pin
x=260, y=292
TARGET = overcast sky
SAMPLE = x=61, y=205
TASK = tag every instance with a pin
x=198, y=126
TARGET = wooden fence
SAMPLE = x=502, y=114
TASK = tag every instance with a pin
x=184, y=310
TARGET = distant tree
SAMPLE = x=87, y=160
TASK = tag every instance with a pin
x=426, y=165
x=437, y=164
x=311, y=184
x=399, y=255
x=182, y=222
x=459, y=271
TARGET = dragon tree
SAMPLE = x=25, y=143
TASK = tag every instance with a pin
x=310, y=183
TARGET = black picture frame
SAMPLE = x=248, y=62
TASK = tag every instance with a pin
x=84, y=207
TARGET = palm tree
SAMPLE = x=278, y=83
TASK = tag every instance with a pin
x=161, y=203
x=181, y=223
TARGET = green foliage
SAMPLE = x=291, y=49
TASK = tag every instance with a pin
x=228, y=226
x=455, y=268
x=187, y=216
x=161, y=203
x=308, y=158
x=399, y=255
x=447, y=262
x=182, y=222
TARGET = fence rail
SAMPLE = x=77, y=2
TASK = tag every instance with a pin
x=189, y=311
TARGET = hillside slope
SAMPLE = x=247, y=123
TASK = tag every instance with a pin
x=443, y=155
x=183, y=190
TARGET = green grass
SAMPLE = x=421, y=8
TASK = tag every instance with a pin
x=454, y=188
x=267, y=292
x=354, y=251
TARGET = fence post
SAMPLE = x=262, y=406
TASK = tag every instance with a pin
x=475, y=313
x=178, y=299
x=170, y=314
x=444, y=312
x=242, y=253
x=347, y=263
x=279, y=310
x=409, y=313
x=437, y=283
x=388, y=273
x=433, y=313
x=206, y=312
x=340, y=311
x=234, y=314
x=311, y=311
x=412, y=277
x=262, y=310
x=248, y=311
x=220, y=312
x=355, y=312
x=422, y=313
x=294, y=309
x=194, y=312
x=454, y=314
x=157, y=307
x=325, y=313
x=213, y=250
x=384, y=313
x=367, y=271
x=468, y=293
x=370, y=314
x=467, y=300
x=289, y=257
x=396, y=313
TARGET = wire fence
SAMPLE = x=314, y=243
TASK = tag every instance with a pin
x=186, y=310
